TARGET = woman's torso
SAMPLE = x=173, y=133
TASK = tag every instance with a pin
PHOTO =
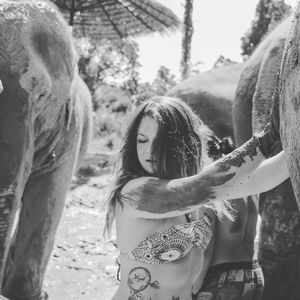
x=234, y=240
x=165, y=281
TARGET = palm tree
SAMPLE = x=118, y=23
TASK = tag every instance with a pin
x=187, y=38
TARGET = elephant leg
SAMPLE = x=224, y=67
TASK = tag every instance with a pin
x=279, y=245
x=8, y=213
x=43, y=202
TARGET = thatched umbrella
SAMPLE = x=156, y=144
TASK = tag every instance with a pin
x=115, y=19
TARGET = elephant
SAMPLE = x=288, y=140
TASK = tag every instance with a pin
x=288, y=99
x=211, y=94
x=279, y=242
x=45, y=126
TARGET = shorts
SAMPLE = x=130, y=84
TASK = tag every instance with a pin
x=232, y=281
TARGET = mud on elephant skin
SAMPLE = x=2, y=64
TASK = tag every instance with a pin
x=211, y=94
x=279, y=241
x=289, y=102
x=256, y=85
x=45, y=125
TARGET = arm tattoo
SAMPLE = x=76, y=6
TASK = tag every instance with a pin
x=139, y=279
x=160, y=196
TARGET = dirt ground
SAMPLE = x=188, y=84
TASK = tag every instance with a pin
x=82, y=264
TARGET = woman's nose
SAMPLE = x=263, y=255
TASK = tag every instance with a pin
x=148, y=150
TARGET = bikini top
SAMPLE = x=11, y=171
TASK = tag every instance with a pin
x=172, y=243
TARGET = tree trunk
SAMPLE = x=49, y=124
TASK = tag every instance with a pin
x=187, y=39
x=72, y=13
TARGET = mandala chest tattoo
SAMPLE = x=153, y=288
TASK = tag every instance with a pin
x=173, y=243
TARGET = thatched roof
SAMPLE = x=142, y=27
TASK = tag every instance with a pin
x=114, y=19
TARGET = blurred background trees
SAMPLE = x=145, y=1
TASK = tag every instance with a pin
x=108, y=58
x=110, y=66
x=268, y=14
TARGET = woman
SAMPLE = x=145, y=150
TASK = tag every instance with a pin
x=160, y=234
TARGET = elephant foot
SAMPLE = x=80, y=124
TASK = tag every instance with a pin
x=42, y=296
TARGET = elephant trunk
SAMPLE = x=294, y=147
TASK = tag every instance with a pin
x=15, y=160
x=266, y=84
x=242, y=106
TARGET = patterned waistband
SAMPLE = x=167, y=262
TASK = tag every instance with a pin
x=223, y=267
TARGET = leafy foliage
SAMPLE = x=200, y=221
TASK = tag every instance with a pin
x=161, y=84
x=164, y=81
x=268, y=14
x=108, y=62
x=111, y=98
x=111, y=104
x=111, y=71
x=223, y=61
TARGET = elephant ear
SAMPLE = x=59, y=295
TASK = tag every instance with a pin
x=289, y=103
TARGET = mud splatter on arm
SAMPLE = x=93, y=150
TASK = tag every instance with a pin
x=221, y=180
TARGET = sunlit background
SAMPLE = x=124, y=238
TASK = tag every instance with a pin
x=218, y=28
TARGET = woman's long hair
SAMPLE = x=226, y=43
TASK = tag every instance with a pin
x=179, y=148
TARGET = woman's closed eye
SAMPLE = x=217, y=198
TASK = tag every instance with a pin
x=142, y=141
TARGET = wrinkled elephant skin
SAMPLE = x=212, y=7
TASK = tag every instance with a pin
x=252, y=104
x=279, y=241
x=211, y=94
x=44, y=130
x=289, y=100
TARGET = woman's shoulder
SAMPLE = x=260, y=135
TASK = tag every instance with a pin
x=134, y=184
x=131, y=195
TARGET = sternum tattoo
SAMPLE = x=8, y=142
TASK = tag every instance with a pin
x=139, y=279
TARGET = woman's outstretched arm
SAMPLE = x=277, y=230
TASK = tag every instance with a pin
x=237, y=174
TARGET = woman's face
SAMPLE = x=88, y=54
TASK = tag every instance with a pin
x=146, y=134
